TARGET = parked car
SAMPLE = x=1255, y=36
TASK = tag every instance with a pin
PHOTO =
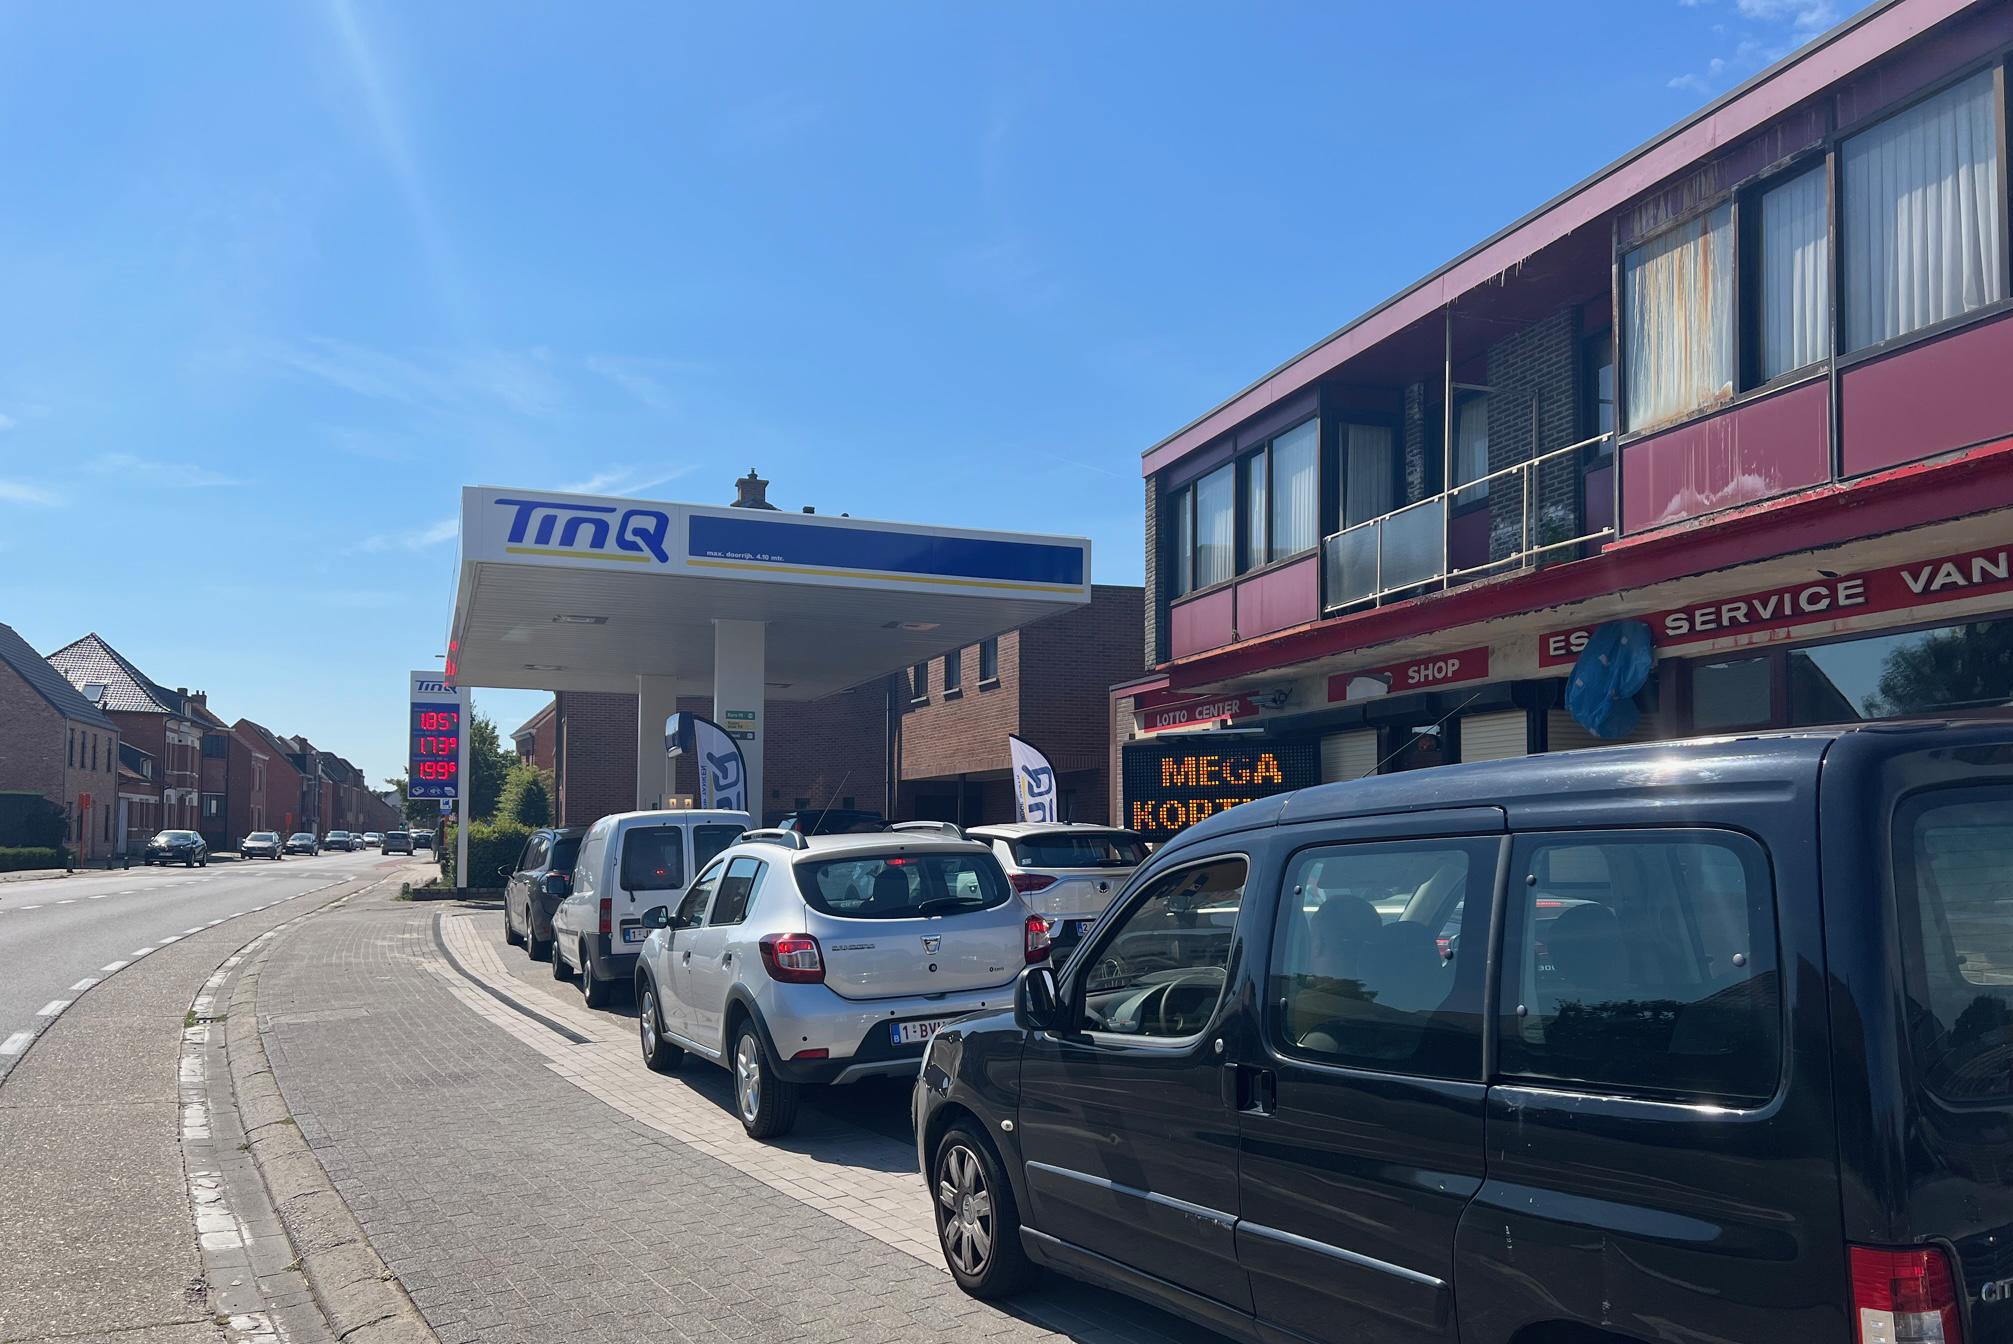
x=261, y=845
x=1757, y=1082
x=373, y=839
x=422, y=840
x=831, y=821
x=1067, y=872
x=341, y=841
x=626, y=863
x=183, y=847
x=303, y=842
x=397, y=842
x=804, y=960
x=535, y=886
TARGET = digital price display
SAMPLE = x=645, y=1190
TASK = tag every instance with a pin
x=433, y=767
x=1169, y=786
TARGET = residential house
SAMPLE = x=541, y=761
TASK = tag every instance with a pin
x=281, y=807
x=160, y=722
x=55, y=742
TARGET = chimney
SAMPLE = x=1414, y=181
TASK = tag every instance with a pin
x=751, y=492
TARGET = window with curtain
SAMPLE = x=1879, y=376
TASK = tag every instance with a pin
x=1296, y=458
x=1922, y=214
x=1677, y=303
x=1370, y=453
x=1795, y=298
x=1254, y=511
x=1471, y=448
x=1181, y=503
x=1215, y=533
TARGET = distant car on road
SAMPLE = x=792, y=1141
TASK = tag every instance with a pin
x=303, y=842
x=373, y=839
x=261, y=845
x=339, y=840
x=183, y=847
x=422, y=840
x=397, y=842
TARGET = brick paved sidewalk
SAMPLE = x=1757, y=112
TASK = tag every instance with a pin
x=515, y=1205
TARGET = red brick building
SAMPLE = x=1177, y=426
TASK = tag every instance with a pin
x=535, y=738
x=56, y=743
x=162, y=723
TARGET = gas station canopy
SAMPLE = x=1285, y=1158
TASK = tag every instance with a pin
x=574, y=592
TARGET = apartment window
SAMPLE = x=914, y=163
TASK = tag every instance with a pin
x=1255, y=498
x=1922, y=215
x=1471, y=448
x=1182, y=505
x=1369, y=472
x=1790, y=326
x=1597, y=391
x=1295, y=473
x=1214, y=531
x=919, y=682
x=215, y=747
x=954, y=672
x=94, y=750
x=73, y=748
x=989, y=660
x=1677, y=314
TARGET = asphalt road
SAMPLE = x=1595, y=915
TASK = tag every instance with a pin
x=57, y=934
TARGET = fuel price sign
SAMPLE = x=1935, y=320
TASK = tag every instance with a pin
x=433, y=756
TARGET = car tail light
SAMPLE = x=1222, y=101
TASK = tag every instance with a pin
x=793, y=958
x=819, y=1053
x=1027, y=882
x=607, y=914
x=1038, y=939
x=1904, y=1297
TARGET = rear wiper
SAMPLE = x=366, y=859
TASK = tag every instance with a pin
x=943, y=903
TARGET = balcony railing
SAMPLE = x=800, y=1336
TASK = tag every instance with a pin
x=1409, y=548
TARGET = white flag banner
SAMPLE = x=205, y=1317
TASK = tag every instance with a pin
x=723, y=775
x=1033, y=782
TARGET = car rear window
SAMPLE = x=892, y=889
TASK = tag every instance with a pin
x=1108, y=849
x=653, y=858
x=565, y=853
x=1953, y=853
x=903, y=886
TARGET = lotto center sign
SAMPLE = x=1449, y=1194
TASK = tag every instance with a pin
x=1170, y=786
x=1825, y=603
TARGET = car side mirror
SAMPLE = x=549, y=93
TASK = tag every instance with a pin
x=506, y=872
x=1037, y=1000
x=657, y=917
x=557, y=884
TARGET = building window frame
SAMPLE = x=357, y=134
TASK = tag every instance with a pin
x=919, y=683
x=954, y=673
x=1595, y=347
x=989, y=663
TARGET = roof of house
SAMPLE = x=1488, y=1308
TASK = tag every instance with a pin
x=544, y=715
x=90, y=661
x=258, y=735
x=47, y=682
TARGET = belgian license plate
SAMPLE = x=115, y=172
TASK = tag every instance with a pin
x=1084, y=926
x=915, y=1033
x=634, y=935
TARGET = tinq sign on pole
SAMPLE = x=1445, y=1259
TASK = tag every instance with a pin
x=437, y=758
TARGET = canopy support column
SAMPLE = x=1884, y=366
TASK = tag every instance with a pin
x=740, y=691
x=656, y=699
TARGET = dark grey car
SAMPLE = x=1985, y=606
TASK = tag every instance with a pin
x=534, y=889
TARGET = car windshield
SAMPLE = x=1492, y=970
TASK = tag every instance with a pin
x=176, y=835
x=264, y=836
x=300, y=835
x=1100, y=849
x=903, y=886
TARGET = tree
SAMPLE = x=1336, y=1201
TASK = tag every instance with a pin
x=527, y=797
x=488, y=765
x=1948, y=671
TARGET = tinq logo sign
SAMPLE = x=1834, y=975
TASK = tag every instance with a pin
x=430, y=688
x=548, y=527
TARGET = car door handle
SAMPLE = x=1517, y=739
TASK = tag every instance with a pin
x=726, y=958
x=1250, y=1090
x=687, y=958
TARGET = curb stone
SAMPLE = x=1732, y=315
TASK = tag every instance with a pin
x=361, y=1298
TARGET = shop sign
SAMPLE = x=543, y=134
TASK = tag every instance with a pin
x=1414, y=674
x=1169, y=786
x=1774, y=612
x=1196, y=713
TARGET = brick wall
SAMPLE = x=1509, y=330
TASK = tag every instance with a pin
x=595, y=754
x=1423, y=430
x=1156, y=566
x=35, y=754
x=247, y=799
x=1068, y=666
x=816, y=753
x=1536, y=364
x=967, y=733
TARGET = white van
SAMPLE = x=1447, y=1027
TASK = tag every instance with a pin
x=629, y=862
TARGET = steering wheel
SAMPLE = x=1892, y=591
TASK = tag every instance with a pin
x=1160, y=997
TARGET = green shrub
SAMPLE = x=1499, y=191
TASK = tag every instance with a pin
x=29, y=820
x=491, y=846
x=526, y=797
x=22, y=859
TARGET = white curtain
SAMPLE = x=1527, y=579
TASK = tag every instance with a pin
x=1677, y=302
x=1215, y=531
x=1184, y=542
x=1471, y=447
x=1369, y=451
x=1795, y=276
x=1296, y=458
x=1254, y=510
x=1922, y=215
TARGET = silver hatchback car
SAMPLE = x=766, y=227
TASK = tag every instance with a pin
x=799, y=960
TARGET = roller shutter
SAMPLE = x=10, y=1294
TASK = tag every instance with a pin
x=1348, y=755
x=1496, y=736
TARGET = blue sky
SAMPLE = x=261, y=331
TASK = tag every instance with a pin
x=280, y=278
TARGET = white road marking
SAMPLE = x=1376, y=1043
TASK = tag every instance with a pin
x=31, y=907
x=127, y=892
x=102, y=895
x=111, y=966
x=71, y=901
x=213, y=923
x=197, y=929
x=171, y=938
x=16, y=1043
x=53, y=1007
x=83, y=985
x=140, y=952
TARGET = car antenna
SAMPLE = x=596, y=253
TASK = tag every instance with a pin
x=1440, y=722
x=829, y=801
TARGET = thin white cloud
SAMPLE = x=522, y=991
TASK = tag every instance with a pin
x=1806, y=15
x=166, y=475
x=414, y=539
x=625, y=480
x=1768, y=30
x=646, y=379
x=20, y=492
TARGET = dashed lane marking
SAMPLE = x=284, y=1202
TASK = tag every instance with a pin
x=111, y=966
x=71, y=901
x=198, y=929
x=103, y=894
x=53, y=1007
x=16, y=1043
x=83, y=984
x=171, y=938
x=137, y=953
x=30, y=907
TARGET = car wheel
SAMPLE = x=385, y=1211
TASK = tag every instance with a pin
x=189, y=862
x=510, y=934
x=538, y=949
x=593, y=988
x=977, y=1223
x=766, y=1103
x=559, y=963
x=658, y=1054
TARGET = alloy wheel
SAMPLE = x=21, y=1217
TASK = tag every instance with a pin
x=964, y=1209
x=648, y=1017
x=748, y=1076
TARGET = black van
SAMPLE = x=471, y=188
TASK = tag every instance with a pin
x=1701, y=1041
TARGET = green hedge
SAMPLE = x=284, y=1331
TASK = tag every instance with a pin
x=29, y=820
x=16, y=860
x=491, y=845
